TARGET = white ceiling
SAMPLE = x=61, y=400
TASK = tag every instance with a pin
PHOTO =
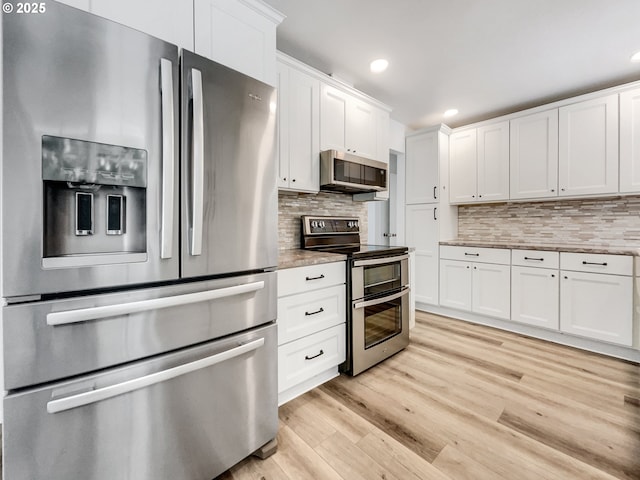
x=483, y=57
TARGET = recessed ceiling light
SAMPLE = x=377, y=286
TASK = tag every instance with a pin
x=379, y=65
x=635, y=57
x=451, y=112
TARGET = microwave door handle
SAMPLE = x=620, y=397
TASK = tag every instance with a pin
x=377, y=301
x=197, y=167
x=104, y=393
x=168, y=158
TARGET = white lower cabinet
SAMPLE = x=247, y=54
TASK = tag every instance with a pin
x=422, y=234
x=455, y=284
x=597, y=305
x=311, y=327
x=535, y=296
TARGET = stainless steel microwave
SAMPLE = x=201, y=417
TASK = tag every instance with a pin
x=345, y=172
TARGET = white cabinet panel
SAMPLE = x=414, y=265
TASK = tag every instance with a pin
x=534, y=156
x=298, y=130
x=597, y=306
x=333, y=118
x=463, y=166
x=491, y=284
x=535, y=296
x=588, y=147
x=311, y=277
x=493, y=162
x=597, y=263
x=361, y=129
x=422, y=185
x=422, y=234
x=630, y=141
x=455, y=284
x=383, y=134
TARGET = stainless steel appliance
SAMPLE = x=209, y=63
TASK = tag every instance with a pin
x=346, y=172
x=377, y=290
x=139, y=246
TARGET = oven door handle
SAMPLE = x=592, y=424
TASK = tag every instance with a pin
x=377, y=301
x=379, y=261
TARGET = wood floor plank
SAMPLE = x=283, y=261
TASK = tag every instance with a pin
x=458, y=466
x=254, y=469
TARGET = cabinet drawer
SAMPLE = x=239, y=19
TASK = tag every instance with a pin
x=476, y=254
x=307, y=313
x=308, y=278
x=535, y=258
x=304, y=358
x=597, y=263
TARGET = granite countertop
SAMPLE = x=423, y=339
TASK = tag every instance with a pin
x=298, y=257
x=553, y=247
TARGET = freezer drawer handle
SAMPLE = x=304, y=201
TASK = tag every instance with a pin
x=95, y=313
x=197, y=168
x=94, y=396
x=168, y=174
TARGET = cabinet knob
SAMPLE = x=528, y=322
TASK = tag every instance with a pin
x=473, y=196
x=479, y=196
x=553, y=275
x=284, y=179
x=562, y=189
x=553, y=189
x=566, y=278
x=293, y=180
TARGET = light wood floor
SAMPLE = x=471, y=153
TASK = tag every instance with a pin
x=464, y=402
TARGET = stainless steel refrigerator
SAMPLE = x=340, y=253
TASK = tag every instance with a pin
x=139, y=247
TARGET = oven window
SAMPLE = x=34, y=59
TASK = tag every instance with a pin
x=382, y=278
x=382, y=321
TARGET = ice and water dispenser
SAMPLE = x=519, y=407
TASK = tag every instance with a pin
x=94, y=200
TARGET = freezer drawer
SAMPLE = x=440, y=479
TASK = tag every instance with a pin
x=188, y=415
x=46, y=341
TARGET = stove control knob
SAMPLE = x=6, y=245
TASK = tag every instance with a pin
x=355, y=224
x=322, y=224
x=314, y=224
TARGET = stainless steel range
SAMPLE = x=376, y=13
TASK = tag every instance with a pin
x=377, y=290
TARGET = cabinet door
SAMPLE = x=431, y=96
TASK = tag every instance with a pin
x=422, y=185
x=491, y=285
x=533, y=156
x=630, y=141
x=333, y=119
x=598, y=306
x=462, y=166
x=535, y=296
x=382, y=135
x=493, y=162
x=455, y=284
x=282, y=83
x=304, y=132
x=238, y=34
x=170, y=20
x=361, y=129
x=422, y=234
x=588, y=147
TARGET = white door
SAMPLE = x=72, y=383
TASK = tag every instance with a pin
x=630, y=141
x=282, y=83
x=462, y=166
x=455, y=284
x=422, y=168
x=597, y=305
x=533, y=143
x=588, y=147
x=493, y=162
x=535, y=296
x=422, y=234
x=491, y=290
x=333, y=119
x=361, y=129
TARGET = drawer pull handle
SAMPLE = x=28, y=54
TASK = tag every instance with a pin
x=472, y=254
x=603, y=264
x=308, y=314
x=315, y=278
x=533, y=258
x=307, y=357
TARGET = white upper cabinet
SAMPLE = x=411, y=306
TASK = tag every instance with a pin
x=351, y=125
x=463, y=159
x=534, y=155
x=588, y=147
x=298, y=130
x=169, y=20
x=479, y=164
x=493, y=162
x=422, y=172
x=240, y=34
x=630, y=141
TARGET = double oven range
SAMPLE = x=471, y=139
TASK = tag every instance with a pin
x=377, y=289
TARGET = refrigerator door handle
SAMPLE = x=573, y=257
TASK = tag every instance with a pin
x=197, y=167
x=96, y=313
x=168, y=174
x=94, y=396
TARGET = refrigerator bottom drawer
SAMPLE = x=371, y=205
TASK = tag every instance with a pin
x=186, y=415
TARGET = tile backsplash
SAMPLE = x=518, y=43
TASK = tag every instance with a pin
x=292, y=205
x=612, y=222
